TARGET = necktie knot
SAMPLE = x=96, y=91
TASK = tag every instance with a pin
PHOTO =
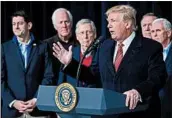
x=120, y=45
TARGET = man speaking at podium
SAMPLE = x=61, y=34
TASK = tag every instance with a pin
x=125, y=64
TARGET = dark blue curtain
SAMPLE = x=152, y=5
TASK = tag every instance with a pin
x=41, y=12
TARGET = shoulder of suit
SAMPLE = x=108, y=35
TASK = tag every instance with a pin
x=51, y=39
x=151, y=42
x=108, y=42
x=7, y=43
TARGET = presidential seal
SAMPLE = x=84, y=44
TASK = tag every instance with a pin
x=65, y=97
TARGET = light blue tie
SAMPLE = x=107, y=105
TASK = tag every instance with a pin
x=25, y=54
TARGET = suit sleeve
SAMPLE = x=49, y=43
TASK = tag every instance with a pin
x=48, y=78
x=7, y=95
x=156, y=74
x=90, y=75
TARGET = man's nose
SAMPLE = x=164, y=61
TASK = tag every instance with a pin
x=154, y=34
x=17, y=26
x=147, y=28
x=64, y=24
x=109, y=25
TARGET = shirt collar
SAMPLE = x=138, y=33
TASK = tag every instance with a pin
x=20, y=43
x=168, y=47
x=128, y=40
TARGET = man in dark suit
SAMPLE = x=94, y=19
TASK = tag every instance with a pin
x=161, y=31
x=62, y=21
x=85, y=33
x=167, y=99
x=25, y=65
x=125, y=64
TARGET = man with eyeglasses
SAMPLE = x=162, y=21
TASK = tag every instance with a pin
x=85, y=34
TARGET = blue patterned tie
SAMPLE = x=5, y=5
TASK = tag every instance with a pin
x=25, y=54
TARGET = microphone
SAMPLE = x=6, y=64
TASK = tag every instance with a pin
x=92, y=46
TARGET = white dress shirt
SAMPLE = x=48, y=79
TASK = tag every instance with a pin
x=165, y=51
x=126, y=43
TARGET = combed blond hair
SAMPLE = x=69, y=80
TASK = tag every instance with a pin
x=129, y=13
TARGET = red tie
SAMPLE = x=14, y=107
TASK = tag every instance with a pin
x=119, y=56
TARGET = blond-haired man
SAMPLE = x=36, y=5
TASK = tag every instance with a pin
x=126, y=64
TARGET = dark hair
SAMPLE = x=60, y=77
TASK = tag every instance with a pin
x=23, y=14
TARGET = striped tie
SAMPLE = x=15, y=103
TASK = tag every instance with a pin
x=119, y=56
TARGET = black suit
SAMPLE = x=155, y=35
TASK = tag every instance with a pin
x=167, y=99
x=142, y=68
x=55, y=61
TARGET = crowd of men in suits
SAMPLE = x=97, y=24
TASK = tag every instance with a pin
x=138, y=66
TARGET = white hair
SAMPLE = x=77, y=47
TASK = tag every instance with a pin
x=86, y=21
x=167, y=25
x=54, y=18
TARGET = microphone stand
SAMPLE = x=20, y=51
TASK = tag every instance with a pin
x=80, y=62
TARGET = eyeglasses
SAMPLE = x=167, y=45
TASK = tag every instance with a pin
x=86, y=32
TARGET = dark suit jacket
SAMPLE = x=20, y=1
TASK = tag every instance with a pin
x=18, y=83
x=168, y=62
x=56, y=63
x=142, y=68
x=167, y=99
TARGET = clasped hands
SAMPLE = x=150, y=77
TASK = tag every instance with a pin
x=27, y=106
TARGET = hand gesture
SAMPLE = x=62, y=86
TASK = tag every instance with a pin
x=62, y=54
x=132, y=98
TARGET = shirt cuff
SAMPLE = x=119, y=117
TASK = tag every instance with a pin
x=11, y=104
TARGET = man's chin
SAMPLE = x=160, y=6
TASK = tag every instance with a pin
x=18, y=35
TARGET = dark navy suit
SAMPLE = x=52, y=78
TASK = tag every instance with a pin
x=142, y=68
x=166, y=92
x=18, y=83
x=167, y=99
x=168, y=62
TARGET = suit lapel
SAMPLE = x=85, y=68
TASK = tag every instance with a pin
x=109, y=53
x=32, y=53
x=169, y=59
x=169, y=54
x=133, y=49
x=18, y=56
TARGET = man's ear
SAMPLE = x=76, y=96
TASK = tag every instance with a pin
x=169, y=33
x=77, y=38
x=95, y=35
x=128, y=24
x=29, y=25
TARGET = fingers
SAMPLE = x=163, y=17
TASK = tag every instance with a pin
x=70, y=48
x=21, y=111
x=127, y=100
x=131, y=99
x=60, y=46
x=29, y=110
x=56, y=48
